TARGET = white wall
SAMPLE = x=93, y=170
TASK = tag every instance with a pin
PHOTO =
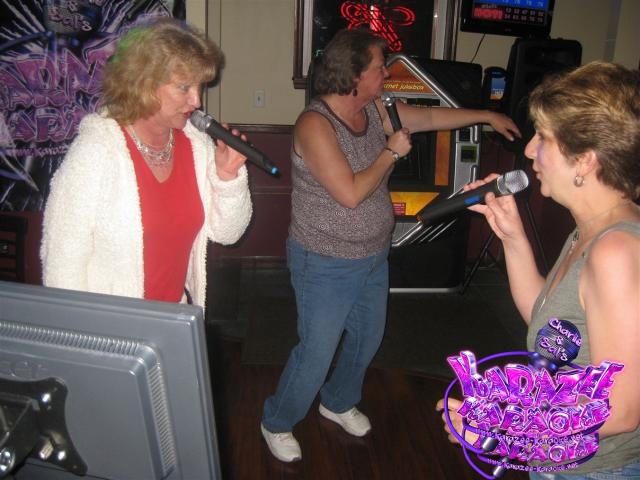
x=628, y=39
x=257, y=39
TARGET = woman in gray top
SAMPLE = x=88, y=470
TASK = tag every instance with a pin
x=340, y=232
x=586, y=155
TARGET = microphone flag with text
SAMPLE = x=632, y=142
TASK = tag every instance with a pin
x=506, y=184
x=207, y=124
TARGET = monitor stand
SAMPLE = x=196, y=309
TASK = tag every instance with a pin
x=32, y=422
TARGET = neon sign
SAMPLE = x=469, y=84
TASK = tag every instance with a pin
x=381, y=20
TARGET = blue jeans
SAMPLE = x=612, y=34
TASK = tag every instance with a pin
x=333, y=296
x=628, y=472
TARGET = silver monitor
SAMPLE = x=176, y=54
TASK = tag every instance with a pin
x=103, y=387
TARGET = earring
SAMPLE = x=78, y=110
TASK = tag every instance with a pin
x=354, y=92
x=578, y=180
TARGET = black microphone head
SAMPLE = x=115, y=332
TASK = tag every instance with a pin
x=387, y=99
x=556, y=345
x=200, y=120
x=207, y=124
x=512, y=182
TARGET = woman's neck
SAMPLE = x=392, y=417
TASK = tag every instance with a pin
x=608, y=211
x=151, y=134
x=348, y=108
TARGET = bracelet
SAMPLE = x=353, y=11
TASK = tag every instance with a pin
x=394, y=154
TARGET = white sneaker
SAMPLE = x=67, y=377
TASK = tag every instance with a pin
x=353, y=421
x=283, y=446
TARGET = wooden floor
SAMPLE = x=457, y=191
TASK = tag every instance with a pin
x=407, y=440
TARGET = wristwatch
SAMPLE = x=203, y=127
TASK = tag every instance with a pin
x=394, y=154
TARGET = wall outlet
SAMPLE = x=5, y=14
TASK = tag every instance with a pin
x=258, y=98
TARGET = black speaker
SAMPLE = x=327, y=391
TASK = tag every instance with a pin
x=462, y=80
x=530, y=60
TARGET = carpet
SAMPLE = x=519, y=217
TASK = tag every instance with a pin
x=422, y=329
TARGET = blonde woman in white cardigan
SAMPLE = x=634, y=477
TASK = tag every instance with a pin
x=141, y=191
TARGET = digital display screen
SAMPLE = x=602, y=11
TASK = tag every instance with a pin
x=527, y=18
x=497, y=88
x=499, y=12
x=538, y=4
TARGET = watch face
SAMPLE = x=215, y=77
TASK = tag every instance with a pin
x=394, y=154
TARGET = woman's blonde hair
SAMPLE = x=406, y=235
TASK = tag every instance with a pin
x=150, y=55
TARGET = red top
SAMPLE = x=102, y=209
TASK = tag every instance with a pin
x=172, y=216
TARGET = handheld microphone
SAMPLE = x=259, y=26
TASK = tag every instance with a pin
x=507, y=184
x=390, y=104
x=207, y=124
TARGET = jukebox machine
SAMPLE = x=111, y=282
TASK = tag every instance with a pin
x=431, y=256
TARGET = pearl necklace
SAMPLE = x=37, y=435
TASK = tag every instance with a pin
x=154, y=157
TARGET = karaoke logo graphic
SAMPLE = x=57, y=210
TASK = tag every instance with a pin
x=543, y=416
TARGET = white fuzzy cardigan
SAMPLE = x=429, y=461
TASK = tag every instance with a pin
x=92, y=227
